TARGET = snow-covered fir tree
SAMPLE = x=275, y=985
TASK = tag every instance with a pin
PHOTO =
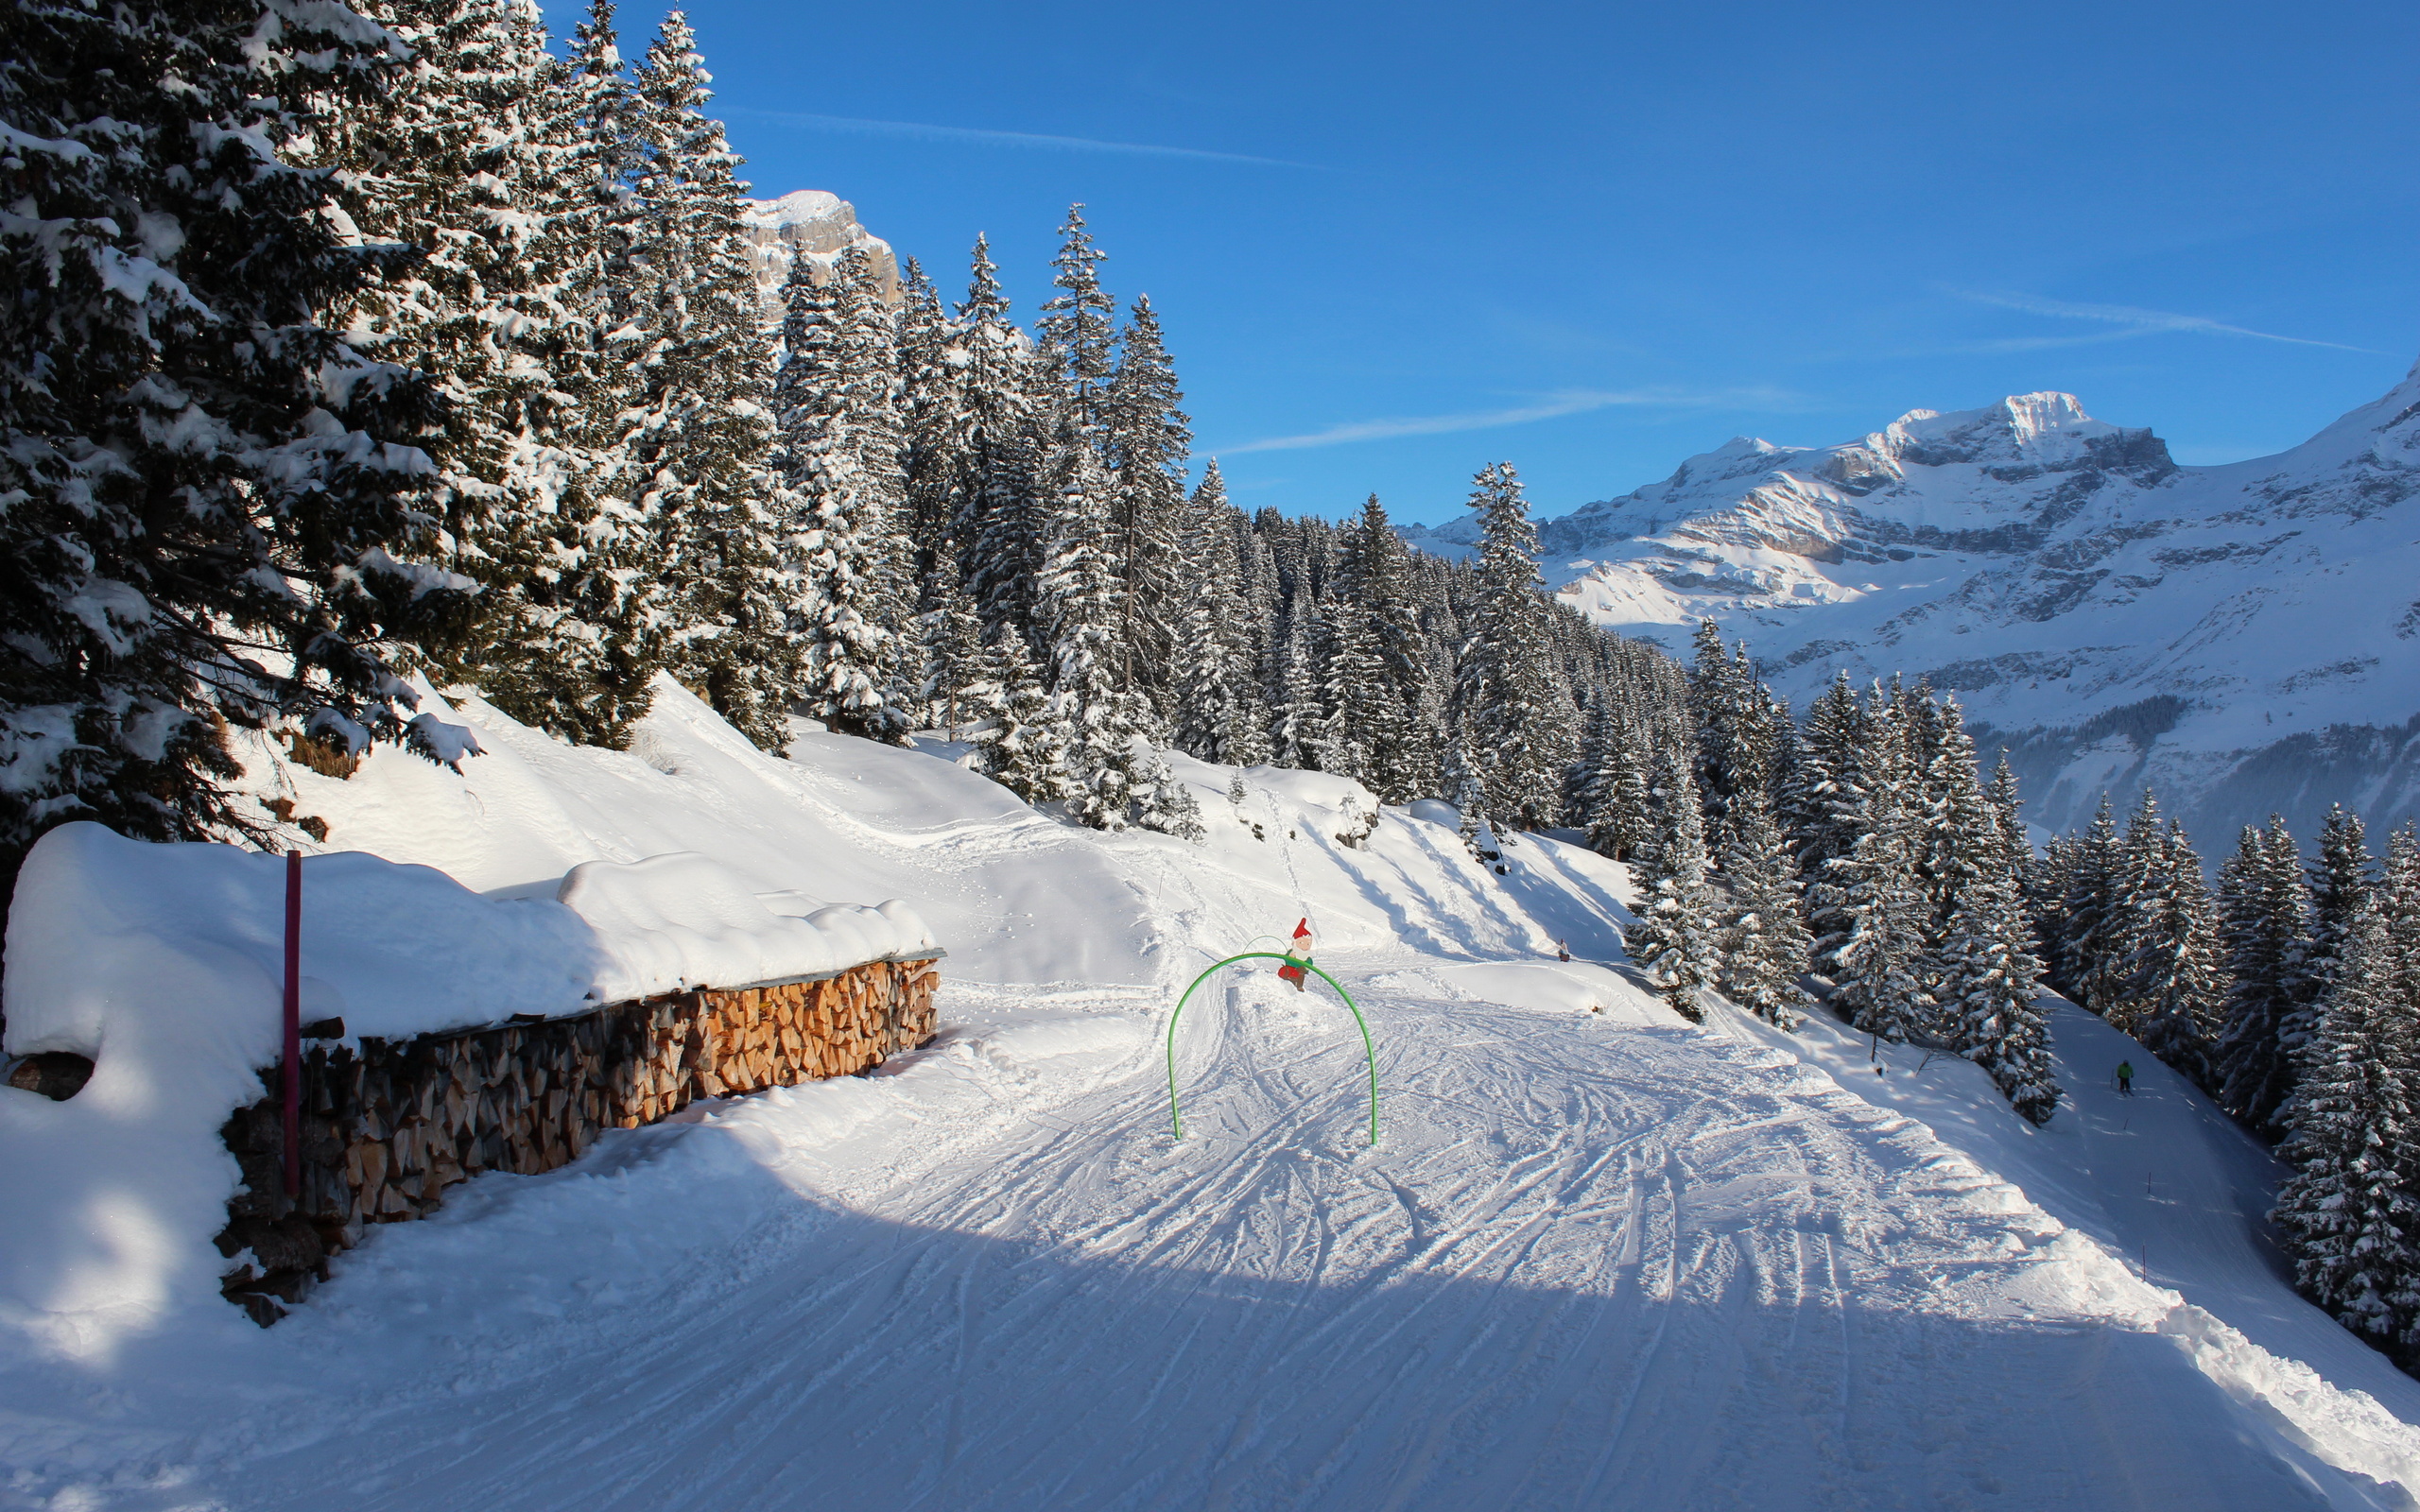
x=1146, y=438
x=1113, y=778
x=951, y=638
x=2262, y=911
x=1874, y=892
x=1410, y=713
x=2354, y=1140
x=1822, y=807
x=1735, y=736
x=2342, y=878
x=701, y=440
x=1361, y=710
x=1078, y=327
x=482, y=157
x=2087, y=959
x=1022, y=744
x=1988, y=980
x=2171, y=989
x=988, y=450
x=1216, y=698
x=1295, y=709
x=1677, y=936
x=1511, y=696
x=838, y=464
x=213, y=500
x=579, y=652
x=1762, y=940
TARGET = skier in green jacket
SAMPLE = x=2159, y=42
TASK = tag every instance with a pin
x=2125, y=1078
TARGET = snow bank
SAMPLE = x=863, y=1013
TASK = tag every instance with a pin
x=683, y=920
x=164, y=964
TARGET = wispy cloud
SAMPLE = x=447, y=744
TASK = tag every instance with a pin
x=2129, y=321
x=1552, y=407
x=928, y=133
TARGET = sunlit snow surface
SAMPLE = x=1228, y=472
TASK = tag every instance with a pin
x=1599, y=1259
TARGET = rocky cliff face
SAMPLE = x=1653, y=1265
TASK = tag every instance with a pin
x=819, y=226
x=2245, y=637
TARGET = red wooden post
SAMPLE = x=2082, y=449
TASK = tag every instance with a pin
x=294, y=1023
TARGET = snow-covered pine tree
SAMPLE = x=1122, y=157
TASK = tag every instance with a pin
x=1762, y=939
x=2263, y=925
x=1404, y=745
x=1510, y=691
x=2400, y=903
x=1963, y=839
x=1360, y=706
x=480, y=157
x=929, y=399
x=1078, y=324
x=1114, y=778
x=2017, y=852
x=831, y=402
x=2353, y=1141
x=2172, y=986
x=1620, y=818
x=1676, y=937
x=1820, y=804
x=1989, y=980
x=579, y=652
x=2343, y=877
x=988, y=449
x=1216, y=696
x=1294, y=711
x=1146, y=438
x=2134, y=902
x=1735, y=740
x=870, y=361
x=2091, y=925
x=701, y=442
x=211, y=496
x=1022, y=744
x=1468, y=794
x=1874, y=891
x=951, y=636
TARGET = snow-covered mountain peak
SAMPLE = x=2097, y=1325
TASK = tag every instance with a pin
x=818, y=225
x=803, y=207
x=2246, y=636
x=2044, y=429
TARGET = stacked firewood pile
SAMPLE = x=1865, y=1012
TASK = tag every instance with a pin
x=387, y=1127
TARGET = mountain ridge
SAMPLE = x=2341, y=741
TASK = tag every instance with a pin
x=2244, y=637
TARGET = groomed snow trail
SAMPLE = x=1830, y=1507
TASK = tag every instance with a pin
x=1596, y=1261
x=1599, y=1259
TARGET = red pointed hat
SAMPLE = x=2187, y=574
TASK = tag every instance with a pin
x=1302, y=930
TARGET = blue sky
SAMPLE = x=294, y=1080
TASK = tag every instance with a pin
x=1394, y=243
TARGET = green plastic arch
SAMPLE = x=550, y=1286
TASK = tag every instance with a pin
x=1177, y=1120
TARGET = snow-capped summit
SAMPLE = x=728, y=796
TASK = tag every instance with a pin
x=2246, y=637
x=815, y=224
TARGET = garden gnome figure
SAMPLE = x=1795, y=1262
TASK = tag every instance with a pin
x=1297, y=956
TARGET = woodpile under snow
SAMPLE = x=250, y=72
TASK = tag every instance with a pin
x=387, y=1126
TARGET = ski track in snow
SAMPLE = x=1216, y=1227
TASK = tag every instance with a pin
x=1598, y=1260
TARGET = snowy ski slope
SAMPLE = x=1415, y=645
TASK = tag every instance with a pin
x=1599, y=1259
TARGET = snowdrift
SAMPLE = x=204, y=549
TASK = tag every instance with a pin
x=163, y=964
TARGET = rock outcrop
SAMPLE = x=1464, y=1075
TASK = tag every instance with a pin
x=819, y=226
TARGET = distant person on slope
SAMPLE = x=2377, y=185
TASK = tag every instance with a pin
x=2125, y=1078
